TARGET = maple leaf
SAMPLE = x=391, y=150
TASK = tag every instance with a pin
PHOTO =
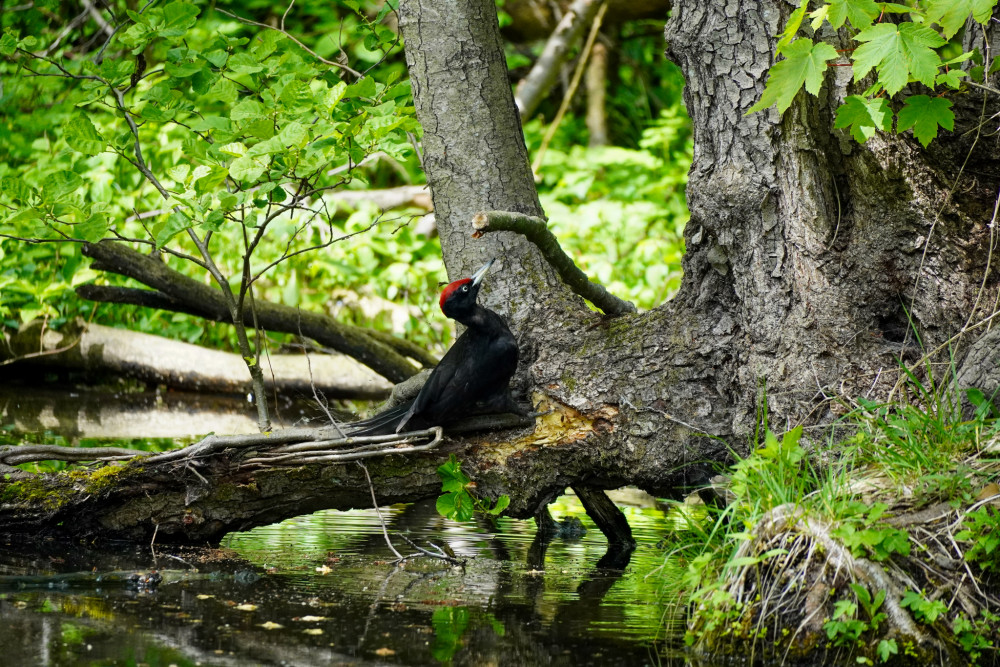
x=900, y=53
x=860, y=12
x=864, y=117
x=804, y=63
x=952, y=14
x=925, y=114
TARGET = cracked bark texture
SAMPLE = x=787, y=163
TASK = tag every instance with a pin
x=816, y=247
x=809, y=256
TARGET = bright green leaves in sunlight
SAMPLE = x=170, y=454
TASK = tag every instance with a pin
x=171, y=21
x=861, y=13
x=457, y=501
x=82, y=136
x=925, y=114
x=804, y=63
x=900, y=51
x=951, y=15
x=188, y=119
x=864, y=117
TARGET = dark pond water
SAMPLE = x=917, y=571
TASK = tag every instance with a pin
x=321, y=589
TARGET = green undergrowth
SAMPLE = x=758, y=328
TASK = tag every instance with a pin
x=878, y=543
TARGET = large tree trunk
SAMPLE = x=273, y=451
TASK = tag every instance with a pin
x=807, y=254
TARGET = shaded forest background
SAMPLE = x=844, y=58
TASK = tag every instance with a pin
x=614, y=195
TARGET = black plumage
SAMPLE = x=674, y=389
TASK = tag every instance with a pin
x=472, y=378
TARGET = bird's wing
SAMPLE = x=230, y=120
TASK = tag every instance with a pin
x=440, y=392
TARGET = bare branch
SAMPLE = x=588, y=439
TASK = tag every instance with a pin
x=537, y=231
x=534, y=87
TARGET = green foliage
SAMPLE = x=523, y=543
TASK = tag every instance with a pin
x=804, y=64
x=240, y=127
x=774, y=474
x=912, y=50
x=973, y=635
x=457, y=500
x=619, y=212
x=923, y=609
x=925, y=443
x=864, y=117
x=860, y=532
x=981, y=527
x=925, y=114
x=450, y=625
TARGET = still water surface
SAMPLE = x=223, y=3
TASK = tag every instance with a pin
x=322, y=590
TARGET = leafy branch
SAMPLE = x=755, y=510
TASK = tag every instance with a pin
x=910, y=50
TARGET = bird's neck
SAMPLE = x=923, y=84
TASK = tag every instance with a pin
x=484, y=320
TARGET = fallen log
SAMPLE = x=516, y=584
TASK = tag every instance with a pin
x=102, y=351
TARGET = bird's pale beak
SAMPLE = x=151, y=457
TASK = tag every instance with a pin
x=477, y=277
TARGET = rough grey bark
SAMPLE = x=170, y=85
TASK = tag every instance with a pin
x=638, y=394
x=820, y=250
x=474, y=152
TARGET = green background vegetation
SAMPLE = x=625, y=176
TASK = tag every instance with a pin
x=619, y=210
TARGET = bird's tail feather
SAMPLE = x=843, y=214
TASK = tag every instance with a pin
x=383, y=423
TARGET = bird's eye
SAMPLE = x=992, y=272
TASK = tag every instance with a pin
x=465, y=288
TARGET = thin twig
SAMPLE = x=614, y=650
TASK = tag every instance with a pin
x=323, y=60
x=381, y=519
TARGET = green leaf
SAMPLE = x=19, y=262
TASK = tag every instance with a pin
x=249, y=168
x=502, y=503
x=247, y=109
x=792, y=27
x=217, y=57
x=899, y=53
x=804, y=63
x=179, y=172
x=175, y=223
x=296, y=95
x=363, y=88
x=177, y=18
x=182, y=70
x=8, y=45
x=861, y=13
x=82, y=136
x=15, y=188
x=951, y=78
x=446, y=505
x=951, y=15
x=886, y=649
x=925, y=114
x=236, y=149
x=60, y=184
x=294, y=134
x=244, y=63
x=864, y=117
x=452, y=477
x=93, y=229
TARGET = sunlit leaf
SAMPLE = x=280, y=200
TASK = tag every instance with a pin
x=804, y=63
x=925, y=115
x=900, y=52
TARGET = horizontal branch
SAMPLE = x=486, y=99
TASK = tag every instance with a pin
x=174, y=291
x=537, y=231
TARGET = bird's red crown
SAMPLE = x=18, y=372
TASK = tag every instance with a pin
x=450, y=289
